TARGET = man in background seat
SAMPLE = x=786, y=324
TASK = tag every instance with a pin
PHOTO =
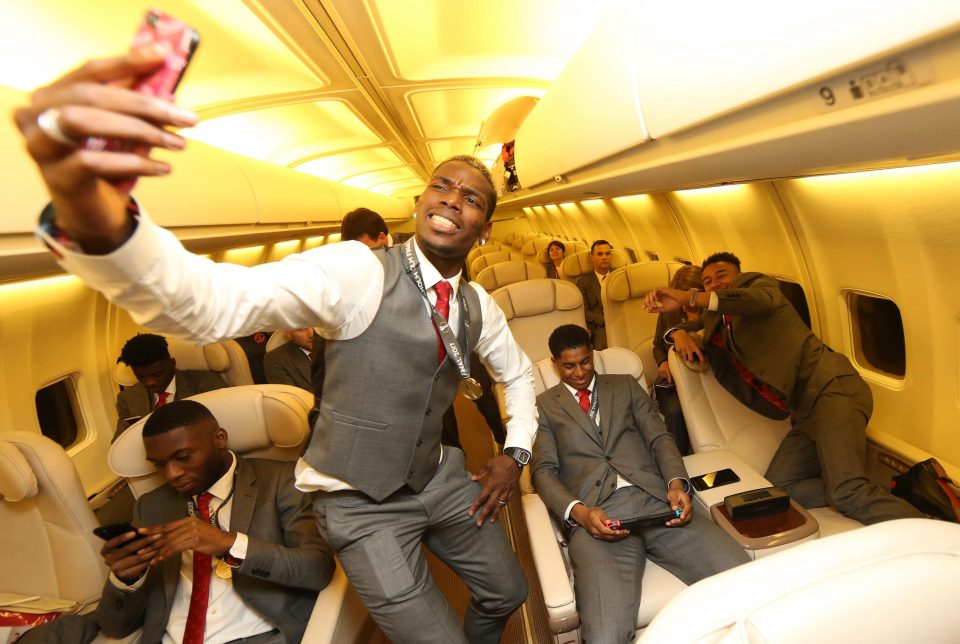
x=159, y=380
x=289, y=364
x=602, y=453
x=228, y=549
x=365, y=226
x=762, y=353
x=601, y=252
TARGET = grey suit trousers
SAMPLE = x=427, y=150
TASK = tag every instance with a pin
x=379, y=546
x=607, y=575
x=821, y=459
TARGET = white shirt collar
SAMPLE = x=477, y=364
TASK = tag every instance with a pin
x=171, y=390
x=221, y=489
x=573, y=392
x=430, y=273
x=599, y=276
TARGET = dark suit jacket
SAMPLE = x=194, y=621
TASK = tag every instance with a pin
x=589, y=287
x=771, y=341
x=137, y=401
x=288, y=365
x=287, y=561
x=572, y=461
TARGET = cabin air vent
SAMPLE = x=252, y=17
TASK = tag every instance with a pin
x=590, y=193
x=559, y=178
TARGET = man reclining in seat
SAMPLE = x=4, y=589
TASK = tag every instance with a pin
x=603, y=453
x=158, y=379
x=762, y=353
x=227, y=550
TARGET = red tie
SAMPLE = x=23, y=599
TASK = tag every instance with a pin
x=200, y=595
x=583, y=395
x=162, y=398
x=442, y=289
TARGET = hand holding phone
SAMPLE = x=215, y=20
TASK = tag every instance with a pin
x=180, y=42
x=114, y=530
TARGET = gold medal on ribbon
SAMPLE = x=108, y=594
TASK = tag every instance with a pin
x=470, y=388
x=223, y=570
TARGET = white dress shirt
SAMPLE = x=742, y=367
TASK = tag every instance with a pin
x=336, y=288
x=171, y=392
x=228, y=617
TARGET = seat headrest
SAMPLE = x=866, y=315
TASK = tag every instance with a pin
x=579, y=263
x=610, y=360
x=189, y=357
x=537, y=297
x=17, y=480
x=255, y=417
x=499, y=275
x=636, y=280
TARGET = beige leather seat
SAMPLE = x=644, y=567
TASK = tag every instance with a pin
x=718, y=424
x=226, y=358
x=262, y=421
x=499, y=275
x=489, y=259
x=886, y=583
x=489, y=247
x=547, y=539
x=534, y=308
x=628, y=323
x=579, y=263
x=536, y=249
x=47, y=546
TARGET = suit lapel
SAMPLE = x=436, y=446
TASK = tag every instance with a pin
x=572, y=409
x=606, y=404
x=244, y=498
x=302, y=362
x=177, y=509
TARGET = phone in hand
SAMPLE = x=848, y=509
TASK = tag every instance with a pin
x=181, y=41
x=711, y=480
x=113, y=530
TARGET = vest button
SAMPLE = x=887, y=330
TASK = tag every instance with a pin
x=410, y=474
x=427, y=413
x=607, y=457
x=597, y=483
x=419, y=442
x=436, y=377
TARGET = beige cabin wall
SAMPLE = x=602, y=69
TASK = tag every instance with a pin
x=895, y=234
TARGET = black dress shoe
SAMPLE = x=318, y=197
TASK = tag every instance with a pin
x=927, y=487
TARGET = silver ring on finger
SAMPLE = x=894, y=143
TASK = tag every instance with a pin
x=48, y=122
x=502, y=502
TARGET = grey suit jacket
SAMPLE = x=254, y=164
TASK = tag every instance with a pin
x=572, y=461
x=288, y=365
x=137, y=401
x=287, y=561
x=771, y=341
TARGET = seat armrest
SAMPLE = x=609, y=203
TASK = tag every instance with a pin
x=338, y=615
x=551, y=568
x=704, y=462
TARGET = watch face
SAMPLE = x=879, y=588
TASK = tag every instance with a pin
x=521, y=456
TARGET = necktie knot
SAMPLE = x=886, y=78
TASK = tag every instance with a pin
x=162, y=398
x=583, y=396
x=443, y=290
x=203, y=505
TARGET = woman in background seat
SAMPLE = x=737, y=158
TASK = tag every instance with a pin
x=555, y=251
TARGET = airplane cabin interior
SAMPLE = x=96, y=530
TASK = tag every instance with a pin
x=816, y=141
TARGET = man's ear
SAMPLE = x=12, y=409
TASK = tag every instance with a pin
x=485, y=233
x=173, y=362
x=220, y=438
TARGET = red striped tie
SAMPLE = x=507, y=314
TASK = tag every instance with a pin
x=443, y=290
x=583, y=395
x=162, y=398
x=200, y=595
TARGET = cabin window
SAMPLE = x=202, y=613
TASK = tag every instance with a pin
x=651, y=256
x=878, y=334
x=632, y=254
x=795, y=295
x=56, y=412
x=683, y=260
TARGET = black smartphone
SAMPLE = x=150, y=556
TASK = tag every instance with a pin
x=711, y=480
x=638, y=523
x=113, y=530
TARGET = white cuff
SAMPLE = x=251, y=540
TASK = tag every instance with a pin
x=566, y=514
x=125, y=588
x=714, y=301
x=239, y=548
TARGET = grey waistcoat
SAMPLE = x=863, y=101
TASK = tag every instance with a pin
x=384, y=396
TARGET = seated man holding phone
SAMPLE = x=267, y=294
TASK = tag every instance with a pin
x=227, y=551
x=602, y=456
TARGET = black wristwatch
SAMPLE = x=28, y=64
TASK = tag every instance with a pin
x=518, y=454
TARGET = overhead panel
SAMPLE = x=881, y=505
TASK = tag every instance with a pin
x=42, y=39
x=459, y=112
x=695, y=65
x=432, y=39
x=370, y=180
x=337, y=167
x=284, y=135
x=445, y=149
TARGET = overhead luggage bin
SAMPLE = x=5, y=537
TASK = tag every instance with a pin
x=691, y=97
